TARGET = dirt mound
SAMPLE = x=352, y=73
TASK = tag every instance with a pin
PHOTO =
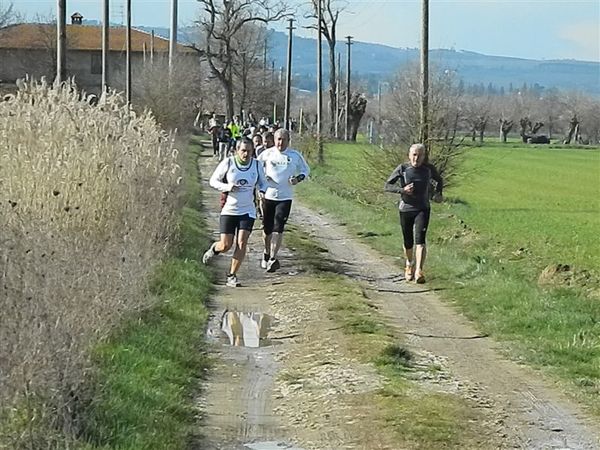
x=565, y=275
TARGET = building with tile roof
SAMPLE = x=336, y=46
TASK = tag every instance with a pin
x=30, y=49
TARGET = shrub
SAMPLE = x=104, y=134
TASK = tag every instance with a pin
x=86, y=212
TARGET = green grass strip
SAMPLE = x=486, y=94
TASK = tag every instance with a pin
x=149, y=371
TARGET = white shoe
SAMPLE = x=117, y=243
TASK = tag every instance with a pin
x=273, y=265
x=208, y=254
x=264, y=261
x=232, y=280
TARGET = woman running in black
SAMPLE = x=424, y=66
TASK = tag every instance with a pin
x=414, y=180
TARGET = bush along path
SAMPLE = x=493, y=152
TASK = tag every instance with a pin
x=335, y=350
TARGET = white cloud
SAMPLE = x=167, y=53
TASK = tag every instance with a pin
x=586, y=37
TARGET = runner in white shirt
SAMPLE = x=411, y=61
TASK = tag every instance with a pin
x=284, y=168
x=236, y=177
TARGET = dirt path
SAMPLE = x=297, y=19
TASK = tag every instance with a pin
x=533, y=414
x=237, y=403
x=247, y=405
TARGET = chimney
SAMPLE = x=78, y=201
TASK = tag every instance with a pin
x=76, y=19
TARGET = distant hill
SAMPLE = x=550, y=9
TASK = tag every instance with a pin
x=376, y=62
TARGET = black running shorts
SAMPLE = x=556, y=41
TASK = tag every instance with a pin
x=275, y=215
x=229, y=224
x=414, y=227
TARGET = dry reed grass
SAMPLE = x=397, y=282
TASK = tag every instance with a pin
x=86, y=211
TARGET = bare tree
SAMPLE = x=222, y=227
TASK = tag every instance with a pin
x=581, y=112
x=477, y=113
x=505, y=127
x=549, y=108
x=248, y=71
x=358, y=106
x=173, y=97
x=573, y=130
x=8, y=15
x=220, y=23
x=446, y=113
x=328, y=29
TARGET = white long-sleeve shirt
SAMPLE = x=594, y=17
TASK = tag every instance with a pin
x=246, y=178
x=279, y=168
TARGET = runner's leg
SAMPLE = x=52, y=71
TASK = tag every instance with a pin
x=421, y=224
x=282, y=213
x=245, y=228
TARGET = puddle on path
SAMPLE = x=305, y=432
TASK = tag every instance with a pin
x=247, y=329
x=272, y=445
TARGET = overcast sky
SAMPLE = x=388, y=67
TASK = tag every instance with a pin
x=542, y=29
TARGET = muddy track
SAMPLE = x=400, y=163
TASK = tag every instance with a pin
x=239, y=402
x=236, y=406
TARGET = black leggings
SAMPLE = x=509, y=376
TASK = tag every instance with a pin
x=414, y=227
x=275, y=215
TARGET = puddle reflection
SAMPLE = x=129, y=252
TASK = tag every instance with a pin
x=246, y=329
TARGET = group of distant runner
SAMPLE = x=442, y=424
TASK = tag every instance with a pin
x=256, y=175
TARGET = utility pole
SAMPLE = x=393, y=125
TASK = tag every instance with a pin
x=379, y=102
x=105, y=43
x=128, y=52
x=61, y=41
x=337, y=95
x=349, y=44
x=152, y=48
x=288, y=78
x=424, y=132
x=319, y=81
x=273, y=71
x=265, y=64
x=173, y=35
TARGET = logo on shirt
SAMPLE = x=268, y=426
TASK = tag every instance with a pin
x=243, y=182
x=281, y=162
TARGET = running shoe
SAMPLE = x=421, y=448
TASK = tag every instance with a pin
x=208, y=254
x=232, y=280
x=420, y=278
x=264, y=261
x=273, y=265
x=409, y=272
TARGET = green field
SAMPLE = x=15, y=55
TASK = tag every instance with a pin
x=544, y=200
x=513, y=212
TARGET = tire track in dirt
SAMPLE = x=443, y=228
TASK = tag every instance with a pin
x=529, y=412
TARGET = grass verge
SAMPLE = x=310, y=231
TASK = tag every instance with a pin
x=414, y=417
x=148, y=372
x=489, y=272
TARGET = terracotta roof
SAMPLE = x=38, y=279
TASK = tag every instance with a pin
x=79, y=37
